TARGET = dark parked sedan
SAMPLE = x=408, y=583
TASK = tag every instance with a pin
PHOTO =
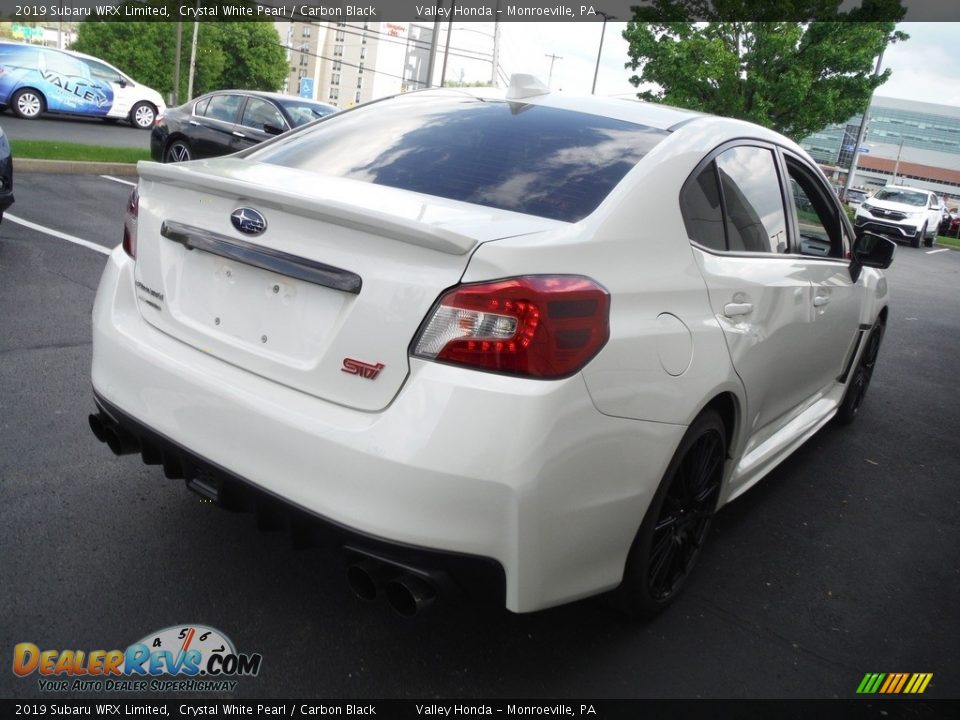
x=6, y=174
x=227, y=121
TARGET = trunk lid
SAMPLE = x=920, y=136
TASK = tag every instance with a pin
x=327, y=298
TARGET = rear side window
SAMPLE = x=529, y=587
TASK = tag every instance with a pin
x=700, y=206
x=56, y=62
x=755, y=219
x=543, y=161
x=224, y=107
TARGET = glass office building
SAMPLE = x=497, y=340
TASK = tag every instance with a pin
x=902, y=135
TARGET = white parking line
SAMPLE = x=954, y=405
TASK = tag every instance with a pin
x=116, y=179
x=57, y=234
x=932, y=252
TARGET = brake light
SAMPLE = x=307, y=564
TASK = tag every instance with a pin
x=130, y=224
x=543, y=326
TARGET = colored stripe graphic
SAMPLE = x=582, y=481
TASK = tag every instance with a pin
x=903, y=679
x=894, y=683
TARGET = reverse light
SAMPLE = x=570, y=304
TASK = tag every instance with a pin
x=542, y=326
x=130, y=224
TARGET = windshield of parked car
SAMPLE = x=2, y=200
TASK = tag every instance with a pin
x=542, y=161
x=907, y=197
x=304, y=112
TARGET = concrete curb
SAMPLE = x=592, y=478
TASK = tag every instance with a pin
x=73, y=167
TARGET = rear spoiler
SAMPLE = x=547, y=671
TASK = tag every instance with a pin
x=366, y=219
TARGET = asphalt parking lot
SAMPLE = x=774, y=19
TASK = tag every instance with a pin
x=845, y=560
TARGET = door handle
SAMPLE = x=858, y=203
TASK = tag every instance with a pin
x=735, y=309
x=820, y=300
x=239, y=134
x=194, y=122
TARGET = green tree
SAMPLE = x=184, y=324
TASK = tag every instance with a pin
x=255, y=60
x=793, y=76
x=245, y=55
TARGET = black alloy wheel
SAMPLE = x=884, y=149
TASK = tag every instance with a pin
x=178, y=151
x=676, y=525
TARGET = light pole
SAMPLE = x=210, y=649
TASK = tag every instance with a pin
x=495, y=59
x=896, y=168
x=603, y=30
x=861, y=133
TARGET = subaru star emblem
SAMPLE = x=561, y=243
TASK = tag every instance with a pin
x=248, y=221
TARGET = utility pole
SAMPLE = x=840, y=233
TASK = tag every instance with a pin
x=175, y=100
x=193, y=56
x=861, y=133
x=603, y=30
x=446, y=51
x=553, y=58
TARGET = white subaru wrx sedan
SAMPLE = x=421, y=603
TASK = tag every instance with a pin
x=519, y=343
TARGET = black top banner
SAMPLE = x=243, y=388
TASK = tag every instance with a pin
x=478, y=10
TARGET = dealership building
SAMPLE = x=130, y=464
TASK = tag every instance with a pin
x=906, y=143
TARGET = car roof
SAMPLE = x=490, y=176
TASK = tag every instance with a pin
x=654, y=115
x=263, y=94
x=702, y=130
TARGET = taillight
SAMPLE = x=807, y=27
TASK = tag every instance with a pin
x=130, y=224
x=543, y=326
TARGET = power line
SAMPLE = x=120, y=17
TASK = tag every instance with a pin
x=349, y=64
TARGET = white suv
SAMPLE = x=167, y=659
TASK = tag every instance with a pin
x=903, y=213
x=522, y=344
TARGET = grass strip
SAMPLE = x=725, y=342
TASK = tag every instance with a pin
x=56, y=150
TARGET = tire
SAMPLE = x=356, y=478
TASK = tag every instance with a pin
x=917, y=240
x=142, y=115
x=676, y=524
x=28, y=103
x=178, y=151
x=929, y=241
x=860, y=376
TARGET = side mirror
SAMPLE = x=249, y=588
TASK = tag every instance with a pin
x=871, y=250
x=123, y=82
x=272, y=129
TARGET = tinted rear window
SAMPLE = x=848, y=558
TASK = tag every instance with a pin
x=531, y=159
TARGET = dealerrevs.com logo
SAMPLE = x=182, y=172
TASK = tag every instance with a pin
x=180, y=658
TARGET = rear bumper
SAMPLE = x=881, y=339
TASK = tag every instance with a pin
x=480, y=578
x=526, y=474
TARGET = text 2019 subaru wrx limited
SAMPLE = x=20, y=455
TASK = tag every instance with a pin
x=520, y=343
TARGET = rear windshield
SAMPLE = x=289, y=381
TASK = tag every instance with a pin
x=907, y=197
x=543, y=161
